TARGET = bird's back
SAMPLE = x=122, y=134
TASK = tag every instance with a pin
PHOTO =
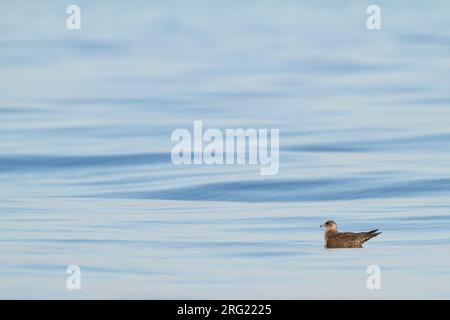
x=349, y=239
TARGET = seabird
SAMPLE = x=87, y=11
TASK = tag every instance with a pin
x=335, y=239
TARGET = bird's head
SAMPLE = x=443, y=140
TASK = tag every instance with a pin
x=329, y=225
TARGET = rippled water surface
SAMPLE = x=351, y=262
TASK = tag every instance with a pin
x=86, y=176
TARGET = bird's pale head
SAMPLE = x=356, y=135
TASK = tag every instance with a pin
x=329, y=225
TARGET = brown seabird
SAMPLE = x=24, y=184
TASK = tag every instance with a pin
x=335, y=239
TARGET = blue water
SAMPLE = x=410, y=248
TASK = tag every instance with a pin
x=85, y=170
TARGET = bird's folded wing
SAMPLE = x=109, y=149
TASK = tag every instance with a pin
x=347, y=236
x=353, y=239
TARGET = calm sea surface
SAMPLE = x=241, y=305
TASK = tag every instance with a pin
x=86, y=176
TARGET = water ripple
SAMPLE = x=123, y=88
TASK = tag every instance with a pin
x=294, y=190
x=36, y=163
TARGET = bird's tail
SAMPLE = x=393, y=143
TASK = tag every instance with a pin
x=374, y=233
x=368, y=235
